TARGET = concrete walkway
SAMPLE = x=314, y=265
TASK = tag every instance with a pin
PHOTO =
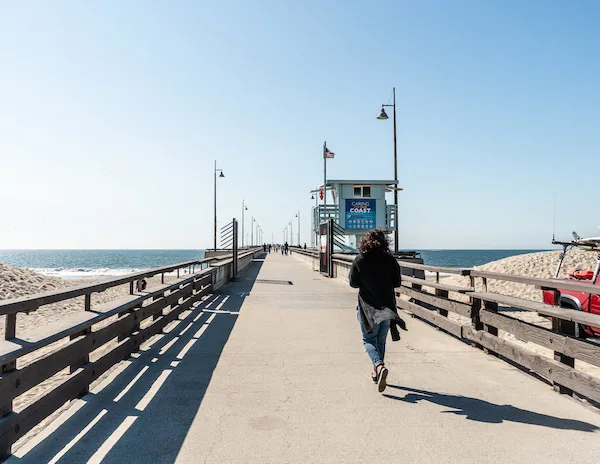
x=287, y=381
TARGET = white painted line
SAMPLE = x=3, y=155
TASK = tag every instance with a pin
x=128, y=387
x=211, y=318
x=201, y=331
x=172, y=326
x=223, y=302
x=145, y=401
x=186, y=328
x=167, y=346
x=113, y=375
x=186, y=348
x=78, y=437
x=50, y=428
x=148, y=344
x=198, y=317
x=174, y=363
x=211, y=303
x=154, y=360
x=111, y=441
x=215, y=311
x=135, y=355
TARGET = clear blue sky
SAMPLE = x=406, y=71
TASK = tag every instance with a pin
x=111, y=114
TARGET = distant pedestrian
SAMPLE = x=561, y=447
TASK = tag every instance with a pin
x=270, y=248
x=264, y=247
x=375, y=272
x=286, y=247
x=305, y=246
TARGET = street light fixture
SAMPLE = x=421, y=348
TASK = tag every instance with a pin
x=382, y=116
x=244, y=208
x=221, y=175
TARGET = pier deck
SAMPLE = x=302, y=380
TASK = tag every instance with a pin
x=271, y=369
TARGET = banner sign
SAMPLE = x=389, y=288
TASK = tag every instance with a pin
x=360, y=214
x=323, y=251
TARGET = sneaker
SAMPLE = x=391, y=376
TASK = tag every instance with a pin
x=381, y=379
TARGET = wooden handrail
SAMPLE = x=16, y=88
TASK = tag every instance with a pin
x=539, y=282
x=32, y=302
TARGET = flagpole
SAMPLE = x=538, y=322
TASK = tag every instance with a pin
x=324, y=181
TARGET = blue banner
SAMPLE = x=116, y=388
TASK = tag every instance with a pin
x=360, y=214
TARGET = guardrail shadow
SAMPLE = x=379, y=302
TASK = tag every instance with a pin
x=144, y=414
x=479, y=410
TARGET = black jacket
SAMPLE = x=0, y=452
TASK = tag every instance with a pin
x=376, y=274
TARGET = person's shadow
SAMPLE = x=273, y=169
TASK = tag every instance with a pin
x=483, y=411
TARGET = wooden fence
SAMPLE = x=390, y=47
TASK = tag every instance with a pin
x=110, y=332
x=486, y=315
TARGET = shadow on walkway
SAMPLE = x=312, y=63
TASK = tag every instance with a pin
x=483, y=411
x=139, y=427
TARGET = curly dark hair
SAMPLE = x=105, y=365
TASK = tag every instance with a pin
x=375, y=240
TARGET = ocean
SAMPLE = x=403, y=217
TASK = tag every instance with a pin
x=82, y=264
x=88, y=264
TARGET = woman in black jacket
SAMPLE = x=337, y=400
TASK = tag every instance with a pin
x=375, y=272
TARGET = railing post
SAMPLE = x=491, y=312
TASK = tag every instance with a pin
x=80, y=362
x=564, y=328
x=441, y=293
x=492, y=307
x=5, y=410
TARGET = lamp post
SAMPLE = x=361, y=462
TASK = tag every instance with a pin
x=383, y=115
x=252, y=232
x=298, y=216
x=244, y=208
x=221, y=175
x=291, y=233
x=315, y=218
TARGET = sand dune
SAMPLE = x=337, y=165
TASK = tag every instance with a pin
x=542, y=264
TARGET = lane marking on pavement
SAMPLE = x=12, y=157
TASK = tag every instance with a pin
x=130, y=384
x=112, y=440
x=174, y=363
x=186, y=348
x=200, y=331
x=50, y=428
x=108, y=380
x=148, y=344
x=145, y=401
x=186, y=328
x=222, y=302
x=77, y=437
x=213, y=301
x=165, y=348
x=211, y=318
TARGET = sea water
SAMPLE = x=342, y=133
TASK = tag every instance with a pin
x=81, y=264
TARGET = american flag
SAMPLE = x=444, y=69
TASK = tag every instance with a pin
x=329, y=153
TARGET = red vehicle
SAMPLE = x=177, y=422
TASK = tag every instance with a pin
x=581, y=301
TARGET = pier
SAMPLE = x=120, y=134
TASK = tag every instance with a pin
x=270, y=368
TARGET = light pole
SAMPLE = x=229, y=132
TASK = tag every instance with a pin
x=252, y=232
x=221, y=175
x=298, y=216
x=244, y=208
x=291, y=233
x=383, y=115
x=315, y=218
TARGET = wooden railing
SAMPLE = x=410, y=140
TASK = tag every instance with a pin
x=110, y=331
x=487, y=315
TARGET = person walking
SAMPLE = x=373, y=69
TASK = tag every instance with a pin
x=286, y=247
x=375, y=272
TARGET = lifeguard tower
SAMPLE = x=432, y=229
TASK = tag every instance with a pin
x=358, y=206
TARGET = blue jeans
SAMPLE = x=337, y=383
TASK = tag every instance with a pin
x=375, y=341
